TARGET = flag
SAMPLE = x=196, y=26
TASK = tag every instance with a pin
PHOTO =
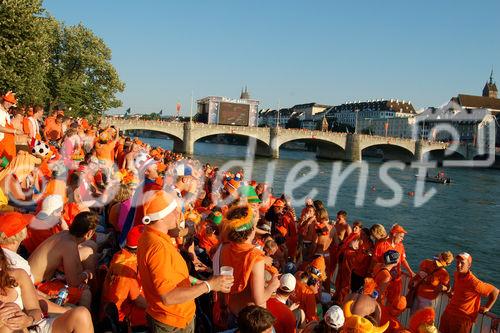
x=127, y=112
x=386, y=127
x=161, y=112
x=178, y=108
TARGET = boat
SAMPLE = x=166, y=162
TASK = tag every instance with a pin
x=436, y=179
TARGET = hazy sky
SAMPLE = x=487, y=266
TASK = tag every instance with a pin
x=292, y=52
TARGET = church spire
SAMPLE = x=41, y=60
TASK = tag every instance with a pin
x=490, y=88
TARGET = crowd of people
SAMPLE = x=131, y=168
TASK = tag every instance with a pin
x=99, y=231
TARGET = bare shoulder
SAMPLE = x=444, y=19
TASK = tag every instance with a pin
x=19, y=274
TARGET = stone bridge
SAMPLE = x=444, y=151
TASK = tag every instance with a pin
x=341, y=146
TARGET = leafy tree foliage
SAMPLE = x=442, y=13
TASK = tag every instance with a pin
x=46, y=62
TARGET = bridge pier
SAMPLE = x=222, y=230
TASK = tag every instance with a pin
x=353, y=148
x=274, y=142
x=187, y=142
x=419, y=151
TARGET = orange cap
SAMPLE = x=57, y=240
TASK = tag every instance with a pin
x=10, y=97
x=13, y=223
x=318, y=268
x=397, y=229
x=157, y=205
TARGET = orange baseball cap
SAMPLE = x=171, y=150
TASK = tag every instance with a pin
x=10, y=97
x=397, y=229
x=12, y=223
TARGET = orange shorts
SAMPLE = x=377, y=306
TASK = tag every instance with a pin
x=51, y=288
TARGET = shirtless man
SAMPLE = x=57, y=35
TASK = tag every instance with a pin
x=307, y=225
x=72, y=252
x=365, y=303
x=338, y=234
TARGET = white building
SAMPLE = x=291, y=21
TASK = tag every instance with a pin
x=399, y=127
x=349, y=112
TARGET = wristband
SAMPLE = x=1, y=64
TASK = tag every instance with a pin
x=208, y=286
x=194, y=281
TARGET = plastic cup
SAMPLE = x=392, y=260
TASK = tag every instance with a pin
x=226, y=270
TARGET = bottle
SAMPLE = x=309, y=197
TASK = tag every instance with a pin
x=62, y=295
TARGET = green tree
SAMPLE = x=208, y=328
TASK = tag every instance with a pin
x=24, y=50
x=81, y=76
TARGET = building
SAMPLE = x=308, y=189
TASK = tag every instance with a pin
x=299, y=116
x=469, y=124
x=399, y=127
x=226, y=111
x=350, y=112
x=489, y=101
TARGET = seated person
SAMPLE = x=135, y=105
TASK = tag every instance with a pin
x=67, y=257
x=122, y=285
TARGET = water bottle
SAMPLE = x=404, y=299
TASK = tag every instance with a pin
x=62, y=295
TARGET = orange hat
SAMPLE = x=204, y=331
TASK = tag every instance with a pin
x=465, y=256
x=317, y=268
x=13, y=223
x=10, y=97
x=161, y=167
x=157, y=205
x=397, y=229
x=358, y=324
x=424, y=317
x=133, y=236
x=279, y=203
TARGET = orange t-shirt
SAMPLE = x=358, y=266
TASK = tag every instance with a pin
x=381, y=275
x=428, y=287
x=467, y=293
x=53, y=130
x=162, y=269
x=242, y=257
x=122, y=285
x=306, y=299
x=106, y=151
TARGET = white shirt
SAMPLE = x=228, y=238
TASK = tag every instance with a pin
x=4, y=120
x=17, y=261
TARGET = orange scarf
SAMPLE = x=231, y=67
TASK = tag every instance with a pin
x=241, y=257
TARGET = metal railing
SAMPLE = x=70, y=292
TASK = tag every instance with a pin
x=485, y=323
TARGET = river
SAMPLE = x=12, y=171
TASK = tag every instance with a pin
x=462, y=216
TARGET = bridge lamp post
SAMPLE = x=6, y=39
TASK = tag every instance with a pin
x=356, y=121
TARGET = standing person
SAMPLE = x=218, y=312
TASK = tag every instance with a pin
x=338, y=233
x=247, y=261
x=168, y=288
x=394, y=242
x=383, y=274
x=31, y=123
x=432, y=279
x=465, y=303
x=7, y=130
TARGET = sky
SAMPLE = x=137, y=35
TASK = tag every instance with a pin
x=293, y=52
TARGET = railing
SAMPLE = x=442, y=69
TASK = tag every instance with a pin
x=485, y=323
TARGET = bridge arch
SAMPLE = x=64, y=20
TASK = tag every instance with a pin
x=323, y=148
x=388, y=151
x=262, y=148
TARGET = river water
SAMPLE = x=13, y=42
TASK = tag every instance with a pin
x=462, y=216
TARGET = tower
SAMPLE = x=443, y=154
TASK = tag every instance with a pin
x=245, y=94
x=490, y=88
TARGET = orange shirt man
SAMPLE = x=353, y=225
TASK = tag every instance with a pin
x=168, y=288
x=465, y=303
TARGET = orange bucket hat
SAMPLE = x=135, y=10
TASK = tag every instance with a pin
x=317, y=268
x=157, y=205
x=10, y=97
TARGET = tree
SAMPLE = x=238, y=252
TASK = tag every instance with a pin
x=23, y=50
x=81, y=75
